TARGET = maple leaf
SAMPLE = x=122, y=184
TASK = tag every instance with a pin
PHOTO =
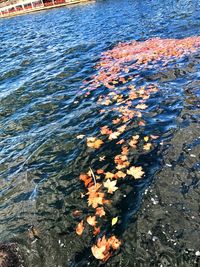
x=100, y=171
x=91, y=220
x=125, y=150
x=92, y=142
x=105, y=130
x=96, y=230
x=100, y=212
x=147, y=146
x=86, y=179
x=98, y=252
x=102, y=158
x=114, y=135
x=114, y=242
x=109, y=175
x=141, y=123
x=111, y=186
x=141, y=106
x=80, y=227
x=120, y=142
x=136, y=172
x=101, y=251
x=120, y=174
x=116, y=121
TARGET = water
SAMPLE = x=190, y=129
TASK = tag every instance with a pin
x=44, y=59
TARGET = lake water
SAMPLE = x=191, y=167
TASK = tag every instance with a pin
x=44, y=59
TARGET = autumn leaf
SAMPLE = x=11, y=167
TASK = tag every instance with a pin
x=141, y=106
x=114, y=242
x=146, y=138
x=102, y=250
x=88, y=181
x=80, y=227
x=98, y=252
x=116, y=121
x=111, y=186
x=120, y=174
x=109, y=175
x=154, y=136
x=80, y=136
x=105, y=130
x=101, y=158
x=100, y=171
x=125, y=150
x=147, y=146
x=114, y=135
x=91, y=220
x=136, y=172
x=120, y=142
x=141, y=123
x=114, y=221
x=100, y=212
x=92, y=142
x=96, y=230
x=76, y=213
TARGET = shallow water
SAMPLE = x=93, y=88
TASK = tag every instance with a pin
x=44, y=59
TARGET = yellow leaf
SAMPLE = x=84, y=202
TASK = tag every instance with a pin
x=114, y=220
x=146, y=138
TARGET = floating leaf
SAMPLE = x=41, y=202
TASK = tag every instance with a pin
x=114, y=221
x=147, y=146
x=92, y=142
x=80, y=136
x=91, y=220
x=111, y=186
x=80, y=227
x=136, y=172
x=100, y=212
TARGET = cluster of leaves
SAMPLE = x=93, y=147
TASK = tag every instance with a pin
x=126, y=103
x=139, y=55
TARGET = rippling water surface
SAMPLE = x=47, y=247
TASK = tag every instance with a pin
x=44, y=58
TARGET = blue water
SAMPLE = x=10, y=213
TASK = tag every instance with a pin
x=44, y=58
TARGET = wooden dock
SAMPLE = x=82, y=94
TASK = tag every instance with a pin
x=28, y=6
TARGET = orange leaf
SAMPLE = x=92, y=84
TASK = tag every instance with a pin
x=120, y=142
x=80, y=227
x=96, y=230
x=120, y=174
x=100, y=212
x=116, y=121
x=91, y=220
x=100, y=171
x=125, y=150
x=92, y=142
x=114, y=242
x=105, y=130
